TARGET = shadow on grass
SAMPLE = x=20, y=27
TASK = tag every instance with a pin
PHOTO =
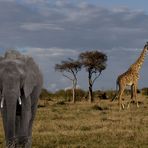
x=61, y=103
x=41, y=106
x=100, y=108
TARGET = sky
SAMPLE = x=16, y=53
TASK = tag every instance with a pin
x=54, y=30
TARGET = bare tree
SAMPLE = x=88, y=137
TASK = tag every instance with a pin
x=70, y=68
x=94, y=63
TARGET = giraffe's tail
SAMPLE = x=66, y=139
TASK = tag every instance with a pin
x=115, y=96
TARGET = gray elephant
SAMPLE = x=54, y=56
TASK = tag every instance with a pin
x=20, y=86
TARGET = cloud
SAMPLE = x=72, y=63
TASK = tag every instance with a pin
x=70, y=87
x=40, y=26
x=46, y=59
x=53, y=86
x=52, y=30
x=122, y=49
x=64, y=24
x=7, y=0
x=50, y=52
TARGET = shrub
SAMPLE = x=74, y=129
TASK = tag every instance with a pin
x=66, y=95
x=45, y=95
x=145, y=91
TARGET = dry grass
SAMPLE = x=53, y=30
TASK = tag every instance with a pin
x=84, y=125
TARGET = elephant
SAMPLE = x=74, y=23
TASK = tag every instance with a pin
x=20, y=86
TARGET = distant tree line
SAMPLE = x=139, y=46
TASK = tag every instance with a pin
x=94, y=62
x=82, y=95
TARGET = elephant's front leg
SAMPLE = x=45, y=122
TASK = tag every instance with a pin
x=4, y=118
x=23, y=134
x=8, y=117
x=33, y=110
x=10, y=126
x=34, y=104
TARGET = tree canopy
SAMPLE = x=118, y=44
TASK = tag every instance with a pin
x=94, y=62
x=71, y=67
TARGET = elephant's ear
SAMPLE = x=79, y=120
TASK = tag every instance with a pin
x=29, y=84
x=29, y=80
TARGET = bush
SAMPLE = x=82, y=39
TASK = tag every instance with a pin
x=80, y=94
x=45, y=95
x=104, y=94
x=66, y=95
x=145, y=91
x=62, y=95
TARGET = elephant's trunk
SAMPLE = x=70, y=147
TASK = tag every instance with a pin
x=10, y=120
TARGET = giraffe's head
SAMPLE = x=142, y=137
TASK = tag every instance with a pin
x=146, y=46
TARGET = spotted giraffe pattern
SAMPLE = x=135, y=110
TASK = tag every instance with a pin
x=130, y=78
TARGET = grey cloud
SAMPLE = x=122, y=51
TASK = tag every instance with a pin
x=67, y=25
x=47, y=58
x=44, y=29
x=40, y=26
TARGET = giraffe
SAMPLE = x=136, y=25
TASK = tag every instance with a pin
x=130, y=78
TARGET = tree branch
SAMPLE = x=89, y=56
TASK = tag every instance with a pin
x=96, y=78
x=93, y=71
x=67, y=77
x=74, y=74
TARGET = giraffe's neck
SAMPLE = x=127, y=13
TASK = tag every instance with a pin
x=140, y=60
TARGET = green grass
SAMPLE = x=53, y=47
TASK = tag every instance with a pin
x=84, y=125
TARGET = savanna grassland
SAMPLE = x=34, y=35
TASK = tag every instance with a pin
x=85, y=125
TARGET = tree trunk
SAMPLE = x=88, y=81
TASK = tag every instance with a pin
x=90, y=88
x=90, y=94
x=74, y=83
x=73, y=95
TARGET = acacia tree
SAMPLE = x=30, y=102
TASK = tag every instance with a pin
x=70, y=68
x=94, y=62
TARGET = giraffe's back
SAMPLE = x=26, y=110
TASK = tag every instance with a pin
x=128, y=78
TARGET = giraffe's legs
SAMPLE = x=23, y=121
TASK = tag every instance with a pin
x=135, y=94
x=132, y=95
x=121, y=90
x=132, y=91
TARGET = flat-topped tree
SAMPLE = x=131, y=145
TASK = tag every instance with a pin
x=94, y=62
x=70, y=68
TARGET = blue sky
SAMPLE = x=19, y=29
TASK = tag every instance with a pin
x=55, y=30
